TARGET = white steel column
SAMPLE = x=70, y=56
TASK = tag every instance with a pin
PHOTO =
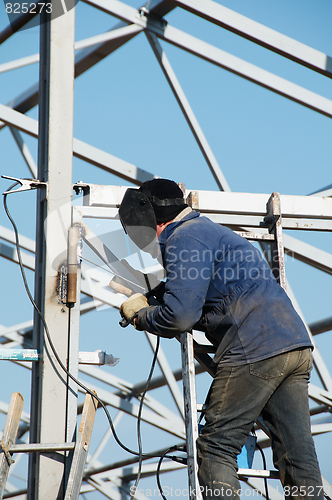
x=50, y=398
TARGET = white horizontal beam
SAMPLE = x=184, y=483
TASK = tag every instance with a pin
x=255, y=204
x=217, y=202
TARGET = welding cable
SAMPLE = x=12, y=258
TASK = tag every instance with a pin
x=264, y=465
x=175, y=458
x=47, y=332
x=139, y=418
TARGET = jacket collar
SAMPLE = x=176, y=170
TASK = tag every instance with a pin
x=170, y=228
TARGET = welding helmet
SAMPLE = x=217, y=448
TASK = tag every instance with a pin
x=156, y=201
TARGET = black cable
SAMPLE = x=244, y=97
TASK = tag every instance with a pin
x=139, y=417
x=62, y=366
x=264, y=465
x=172, y=448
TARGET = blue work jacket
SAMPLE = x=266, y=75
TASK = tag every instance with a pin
x=219, y=283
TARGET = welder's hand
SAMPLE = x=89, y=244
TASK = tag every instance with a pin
x=132, y=305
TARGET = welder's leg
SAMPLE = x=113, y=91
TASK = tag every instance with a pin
x=238, y=396
x=287, y=416
x=235, y=402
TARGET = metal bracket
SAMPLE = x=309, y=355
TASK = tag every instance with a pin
x=144, y=12
x=80, y=187
x=273, y=211
x=26, y=184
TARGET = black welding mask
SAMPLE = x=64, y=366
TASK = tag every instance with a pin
x=138, y=219
x=156, y=201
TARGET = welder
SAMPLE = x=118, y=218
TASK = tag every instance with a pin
x=219, y=283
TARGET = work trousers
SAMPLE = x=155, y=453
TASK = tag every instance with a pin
x=277, y=389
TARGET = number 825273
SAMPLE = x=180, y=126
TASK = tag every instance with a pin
x=32, y=8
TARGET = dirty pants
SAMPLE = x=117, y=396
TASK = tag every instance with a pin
x=276, y=388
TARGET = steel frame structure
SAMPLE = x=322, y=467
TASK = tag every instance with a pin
x=53, y=397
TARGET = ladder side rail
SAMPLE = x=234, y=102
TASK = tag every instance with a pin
x=9, y=437
x=81, y=448
x=189, y=395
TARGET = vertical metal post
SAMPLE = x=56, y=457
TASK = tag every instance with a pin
x=9, y=437
x=190, y=408
x=277, y=246
x=73, y=356
x=50, y=395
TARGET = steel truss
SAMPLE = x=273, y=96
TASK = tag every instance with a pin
x=241, y=212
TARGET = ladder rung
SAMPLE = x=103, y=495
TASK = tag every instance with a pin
x=255, y=236
x=272, y=474
x=41, y=447
x=204, y=348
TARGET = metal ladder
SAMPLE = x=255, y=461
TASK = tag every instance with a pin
x=191, y=350
x=79, y=448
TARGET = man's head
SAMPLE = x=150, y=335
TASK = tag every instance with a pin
x=144, y=210
x=165, y=197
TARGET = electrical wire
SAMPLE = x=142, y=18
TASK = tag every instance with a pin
x=46, y=329
x=97, y=265
x=264, y=465
x=139, y=418
x=172, y=448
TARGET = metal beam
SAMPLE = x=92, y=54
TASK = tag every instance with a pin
x=217, y=56
x=320, y=366
x=16, y=25
x=84, y=60
x=260, y=34
x=25, y=243
x=168, y=374
x=49, y=391
x=115, y=34
x=172, y=426
x=10, y=253
x=25, y=152
x=81, y=150
x=188, y=112
x=321, y=326
x=126, y=391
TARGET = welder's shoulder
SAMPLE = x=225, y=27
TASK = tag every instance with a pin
x=201, y=228
x=193, y=229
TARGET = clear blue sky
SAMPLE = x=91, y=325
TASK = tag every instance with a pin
x=262, y=141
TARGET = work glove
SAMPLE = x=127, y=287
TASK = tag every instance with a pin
x=132, y=305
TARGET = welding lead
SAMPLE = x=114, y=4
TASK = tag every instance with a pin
x=73, y=241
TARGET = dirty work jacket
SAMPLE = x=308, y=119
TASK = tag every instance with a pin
x=219, y=283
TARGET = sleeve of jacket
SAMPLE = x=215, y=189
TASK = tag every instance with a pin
x=188, y=278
